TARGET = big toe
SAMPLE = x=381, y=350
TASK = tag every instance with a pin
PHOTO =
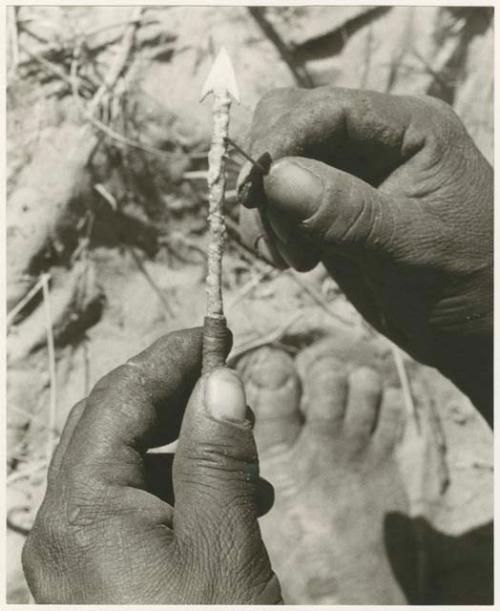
x=273, y=392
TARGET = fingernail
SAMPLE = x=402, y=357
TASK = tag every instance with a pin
x=294, y=189
x=225, y=396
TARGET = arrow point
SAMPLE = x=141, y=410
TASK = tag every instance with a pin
x=221, y=78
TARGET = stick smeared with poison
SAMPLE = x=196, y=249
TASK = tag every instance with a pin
x=220, y=82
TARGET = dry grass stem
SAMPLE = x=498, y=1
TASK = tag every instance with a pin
x=150, y=281
x=120, y=62
x=14, y=38
x=52, y=368
x=271, y=338
x=411, y=410
x=11, y=316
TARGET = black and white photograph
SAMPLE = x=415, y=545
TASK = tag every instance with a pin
x=249, y=304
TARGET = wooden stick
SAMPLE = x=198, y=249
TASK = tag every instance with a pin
x=221, y=83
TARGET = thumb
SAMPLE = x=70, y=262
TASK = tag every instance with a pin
x=334, y=209
x=215, y=472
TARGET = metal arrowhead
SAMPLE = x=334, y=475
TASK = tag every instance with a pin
x=221, y=78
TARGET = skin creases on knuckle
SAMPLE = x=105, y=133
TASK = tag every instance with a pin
x=224, y=456
x=124, y=375
x=177, y=343
x=89, y=502
x=126, y=381
x=333, y=222
x=49, y=528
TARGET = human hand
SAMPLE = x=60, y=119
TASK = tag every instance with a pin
x=392, y=195
x=102, y=536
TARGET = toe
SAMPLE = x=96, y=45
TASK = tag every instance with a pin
x=325, y=395
x=391, y=420
x=365, y=394
x=273, y=392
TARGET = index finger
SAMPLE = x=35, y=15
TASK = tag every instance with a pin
x=365, y=133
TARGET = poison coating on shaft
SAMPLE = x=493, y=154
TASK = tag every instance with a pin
x=221, y=83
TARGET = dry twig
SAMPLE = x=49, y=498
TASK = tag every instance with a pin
x=150, y=280
x=17, y=475
x=120, y=62
x=251, y=284
x=411, y=410
x=97, y=123
x=52, y=368
x=103, y=192
x=271, y=338
x=317, y=297
x=11, y=316
x=258, y=261
x=14, y=38
x=296, y=68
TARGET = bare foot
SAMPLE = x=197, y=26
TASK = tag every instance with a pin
x=331, y=461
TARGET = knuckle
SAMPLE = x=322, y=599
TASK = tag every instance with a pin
x=50, y=528
x=270, y=98
x=44, y=571
x=111, y=379
x=240, y=459
x=29, y=554
x=138, y=369
x=442, y=120
x=44, y=545
x=125, y=381
x=176, y=342
x=34, y=565
x=438, y=106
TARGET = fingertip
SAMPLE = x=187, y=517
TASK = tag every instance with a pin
x=301, y=256
x=185, y=342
